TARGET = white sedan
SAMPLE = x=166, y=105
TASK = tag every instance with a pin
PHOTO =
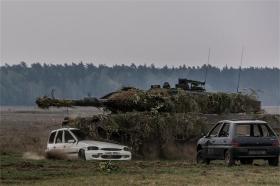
x=73, y=143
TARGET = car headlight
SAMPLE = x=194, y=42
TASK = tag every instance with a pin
x=92, y=148
x=126, y=149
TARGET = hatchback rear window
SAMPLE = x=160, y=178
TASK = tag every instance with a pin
x=253, y=130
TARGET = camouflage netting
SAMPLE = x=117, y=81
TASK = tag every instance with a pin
x=164, y=100
x=46, y=102
x=150, y=135
x=162, y=135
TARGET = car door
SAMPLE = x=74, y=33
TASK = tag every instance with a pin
x=58, y=144
x=222, y=141
x=70, y=144
x=51, y=140
x=211, y=140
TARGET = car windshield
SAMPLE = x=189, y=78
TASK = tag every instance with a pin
x=79, y=134
x=253, y=130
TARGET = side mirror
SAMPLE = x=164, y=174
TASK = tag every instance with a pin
x=71, y=141
x=203, y=135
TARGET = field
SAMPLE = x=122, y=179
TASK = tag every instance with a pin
x=23, y=136
x=16, y=170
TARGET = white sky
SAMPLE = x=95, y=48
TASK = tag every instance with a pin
x=125, y=32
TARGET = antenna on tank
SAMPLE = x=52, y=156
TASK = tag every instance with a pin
x=206, y=69
x=239, y=72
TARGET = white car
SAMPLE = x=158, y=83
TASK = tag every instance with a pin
x=73, y=143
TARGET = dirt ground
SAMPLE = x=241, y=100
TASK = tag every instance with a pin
x=23, y=136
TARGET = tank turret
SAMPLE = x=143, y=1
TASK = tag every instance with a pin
x=188, y=96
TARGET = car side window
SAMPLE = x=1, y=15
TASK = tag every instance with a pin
x=51, y=138
x=68, y=136
x=266, y=132
x=257, y=132
x=224, y=131
x=215, y=130
x=59, y=137
x=243, y=130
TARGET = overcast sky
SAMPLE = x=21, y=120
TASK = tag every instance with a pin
x=172, y=33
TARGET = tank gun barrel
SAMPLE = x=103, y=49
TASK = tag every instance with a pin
x=46, y=102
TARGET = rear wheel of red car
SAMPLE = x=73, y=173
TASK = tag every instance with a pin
x=82, y=155
x=273, y=161
x=246, y=161
x=200, y=159
x=229, y=161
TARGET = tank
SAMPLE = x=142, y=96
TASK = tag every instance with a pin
x=162, y=122
x=187, y=96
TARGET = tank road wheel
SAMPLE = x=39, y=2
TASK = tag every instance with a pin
x=229, y=161
x=273, y=161
x=81, y=154
x=200, y=159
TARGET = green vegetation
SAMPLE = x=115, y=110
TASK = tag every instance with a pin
x=150, y=135
x=157, y=135
x=18, y=171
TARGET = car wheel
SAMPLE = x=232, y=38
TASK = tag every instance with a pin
x=82, y=155
x=229, y=161
x=273, y=161
x=200, y=159
x=246, y=161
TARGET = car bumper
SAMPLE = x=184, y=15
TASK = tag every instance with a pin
x=107, y=155
x=255, y=152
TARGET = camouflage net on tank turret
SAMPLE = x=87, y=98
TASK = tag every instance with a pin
x=164, y=100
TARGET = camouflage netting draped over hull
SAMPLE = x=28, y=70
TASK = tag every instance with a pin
x=149, y=135
x=162, y=135
x=163, y=100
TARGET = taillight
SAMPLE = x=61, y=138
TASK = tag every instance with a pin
x=275, y=143
x=234, y=143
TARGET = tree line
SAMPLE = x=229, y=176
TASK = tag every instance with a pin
x=21, y=84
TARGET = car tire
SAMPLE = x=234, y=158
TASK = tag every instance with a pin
x=81, y=154
x=200, y=159
x=246, y=161
x=273, y=161
x=229, y=161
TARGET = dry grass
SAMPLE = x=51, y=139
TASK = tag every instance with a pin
x=26, y=129
x=17, y=171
